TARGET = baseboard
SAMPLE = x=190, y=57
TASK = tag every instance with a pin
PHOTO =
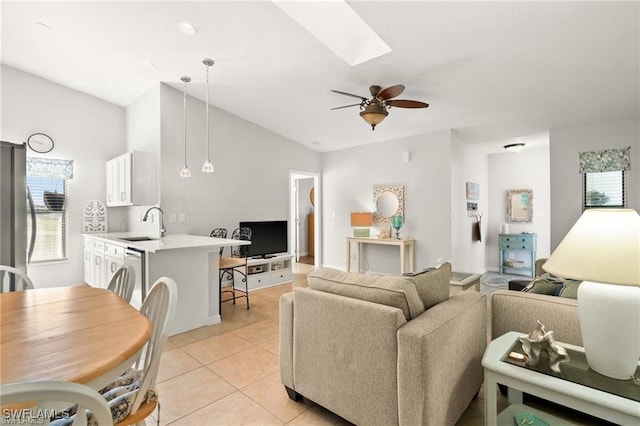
x=338, y=267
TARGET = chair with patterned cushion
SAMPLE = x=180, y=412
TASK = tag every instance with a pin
x=13, y=279
x=47, y=392
x=237, y=263
x=219, y=233
x=123, y=282
x=159, y=307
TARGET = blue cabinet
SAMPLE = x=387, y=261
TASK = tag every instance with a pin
x=517, y=254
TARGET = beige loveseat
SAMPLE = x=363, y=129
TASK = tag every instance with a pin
x=365, y=348
x=518, y=311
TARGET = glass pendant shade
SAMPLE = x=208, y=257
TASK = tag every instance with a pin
x=373, y=114
x=207, y=167
x=185, y=170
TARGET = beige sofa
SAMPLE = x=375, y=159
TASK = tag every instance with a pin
x=383, y=350
x=518, y=311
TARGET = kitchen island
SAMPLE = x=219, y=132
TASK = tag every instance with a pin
x=191, y=260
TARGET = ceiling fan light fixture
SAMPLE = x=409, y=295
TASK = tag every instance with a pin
x=373, y=114
x=514, y=147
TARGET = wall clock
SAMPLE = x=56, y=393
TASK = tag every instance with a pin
x=41, y=143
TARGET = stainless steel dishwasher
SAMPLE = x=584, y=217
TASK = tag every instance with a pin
x=137, y=258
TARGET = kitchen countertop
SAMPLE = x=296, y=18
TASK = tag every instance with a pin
x=168, y=242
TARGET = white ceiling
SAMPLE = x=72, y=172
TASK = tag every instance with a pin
x=490, y=71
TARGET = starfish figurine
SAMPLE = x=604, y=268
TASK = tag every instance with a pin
x=540, y=341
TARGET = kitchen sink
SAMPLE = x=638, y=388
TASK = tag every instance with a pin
x=138, y=239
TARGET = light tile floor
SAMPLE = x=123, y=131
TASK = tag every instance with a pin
x=228, y=373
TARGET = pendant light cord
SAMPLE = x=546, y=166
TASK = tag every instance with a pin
x=185, y=170
x=185, y=121
x=208, y=156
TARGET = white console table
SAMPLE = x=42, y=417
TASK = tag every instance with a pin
x=404, y=244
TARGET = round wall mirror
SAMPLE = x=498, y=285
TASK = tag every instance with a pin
x=387, y=204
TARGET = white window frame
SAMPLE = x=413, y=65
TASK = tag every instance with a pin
x=623, y=189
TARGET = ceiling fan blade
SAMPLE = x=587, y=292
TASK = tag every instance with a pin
x=403, y=103
x=391, y=92
x=346, y=106
x=350, y=94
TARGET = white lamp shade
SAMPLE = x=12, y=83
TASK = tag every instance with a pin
x=603, y=246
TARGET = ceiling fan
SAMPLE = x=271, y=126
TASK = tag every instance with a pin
x=374, y=110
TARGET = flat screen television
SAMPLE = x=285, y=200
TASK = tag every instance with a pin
x=268, y=238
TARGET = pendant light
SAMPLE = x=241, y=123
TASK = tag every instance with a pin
x=185, y=172
x=208, y=165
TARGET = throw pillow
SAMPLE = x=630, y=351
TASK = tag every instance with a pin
x=544, y=286
x=399, y=292
x=433, y=284
x=570, y=289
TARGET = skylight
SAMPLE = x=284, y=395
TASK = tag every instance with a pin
x=338, y=27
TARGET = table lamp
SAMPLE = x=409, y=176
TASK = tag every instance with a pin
x=361, y=221
x=603, y=250
x=396, y=222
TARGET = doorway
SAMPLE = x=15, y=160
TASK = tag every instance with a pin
x=305, y=217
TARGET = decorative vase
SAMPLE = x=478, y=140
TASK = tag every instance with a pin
x=397, y=224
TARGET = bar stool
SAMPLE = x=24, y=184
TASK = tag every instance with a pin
x=236, y=263
x=219, y=233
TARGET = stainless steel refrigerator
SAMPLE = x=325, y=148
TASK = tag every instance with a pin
x=13, y=206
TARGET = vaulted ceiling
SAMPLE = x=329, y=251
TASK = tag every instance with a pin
x=490, y=71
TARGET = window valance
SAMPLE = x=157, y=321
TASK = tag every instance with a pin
x=49, y=168
x=608, y=160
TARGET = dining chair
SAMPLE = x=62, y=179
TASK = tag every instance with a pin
x=159, y=307
x=219, y=233
x=13, y=279
x=46, y=392
x=123, y=282
x=236, y=263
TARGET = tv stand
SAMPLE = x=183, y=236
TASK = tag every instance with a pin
x=269, y=271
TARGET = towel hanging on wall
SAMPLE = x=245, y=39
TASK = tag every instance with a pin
x=476, y=229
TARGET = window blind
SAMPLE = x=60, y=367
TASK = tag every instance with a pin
x=49, y=197
x=605, y=189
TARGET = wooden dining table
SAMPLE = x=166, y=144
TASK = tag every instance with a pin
x=76, y=334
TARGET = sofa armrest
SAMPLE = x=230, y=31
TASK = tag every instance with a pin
x=439, y=360
x=345, y=355
x=518, y=311
x=286, y=339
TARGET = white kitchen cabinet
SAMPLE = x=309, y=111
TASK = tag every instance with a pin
x=132, y=179
x=88, y=259
x=113, y=260
x=94, y=259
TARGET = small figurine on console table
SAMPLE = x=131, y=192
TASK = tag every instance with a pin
x=541, y=340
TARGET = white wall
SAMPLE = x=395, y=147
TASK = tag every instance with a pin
x=348, y=177
x=565, y=146
x=85, y=129
x=468, y=165
x=527, y=169
x=143, y=134
x=251, y=178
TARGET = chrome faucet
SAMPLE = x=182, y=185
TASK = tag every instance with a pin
x=163, y=231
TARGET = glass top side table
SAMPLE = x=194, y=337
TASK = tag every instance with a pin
x=582, y=397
